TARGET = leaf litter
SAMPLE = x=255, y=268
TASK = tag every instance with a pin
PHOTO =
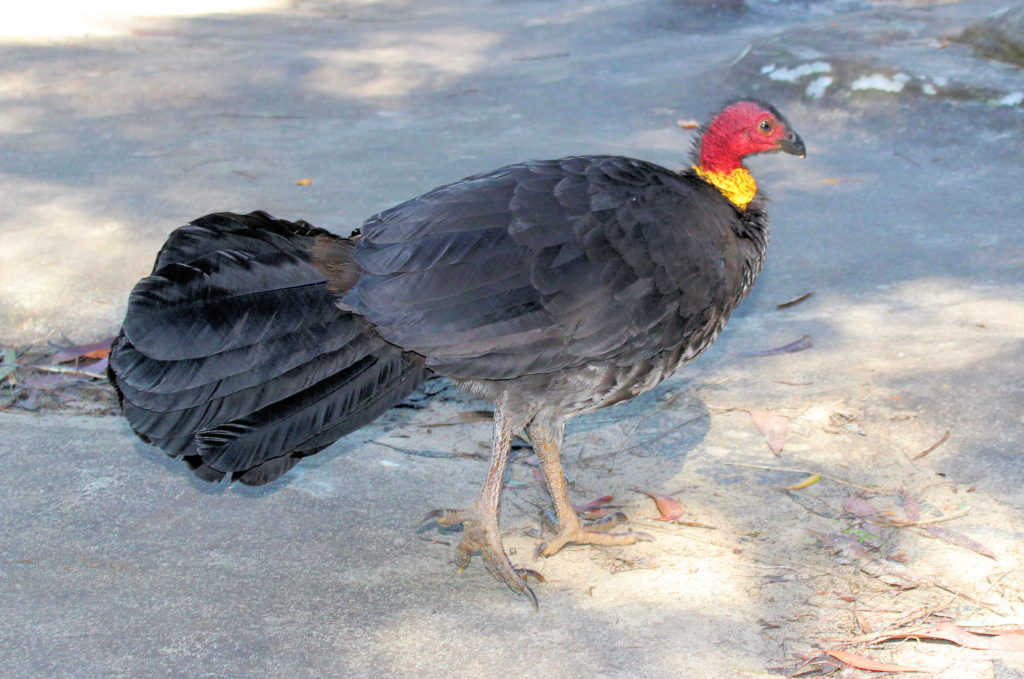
x=57, y=378
x=854, y=660
x=773, y=427
x=668, y=507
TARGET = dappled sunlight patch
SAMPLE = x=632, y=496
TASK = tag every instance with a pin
x=55, y=19
x=396, y=63
x=648, y=605
x=40, y=272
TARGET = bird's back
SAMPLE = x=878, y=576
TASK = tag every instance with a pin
x=549, y=266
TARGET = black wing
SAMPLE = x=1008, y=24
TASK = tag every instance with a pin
x=546, y=265
x=234, y=355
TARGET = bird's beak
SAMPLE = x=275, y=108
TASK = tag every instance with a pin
x=792, y=143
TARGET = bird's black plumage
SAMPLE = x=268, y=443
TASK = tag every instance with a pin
x=548, y=265
x=233, y=355
x=551, y=288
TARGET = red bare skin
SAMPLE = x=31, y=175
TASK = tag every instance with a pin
x=740, y=130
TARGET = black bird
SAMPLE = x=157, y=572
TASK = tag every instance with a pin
x=551, y=288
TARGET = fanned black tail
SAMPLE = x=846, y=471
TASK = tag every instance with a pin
x=234, y=356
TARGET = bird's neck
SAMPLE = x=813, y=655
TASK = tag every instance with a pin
x=736, y=184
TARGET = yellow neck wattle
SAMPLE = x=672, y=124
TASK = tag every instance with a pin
x=738, y=186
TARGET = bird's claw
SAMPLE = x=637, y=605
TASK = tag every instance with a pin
x=480, y=535
x=444, y=517
x=580, y=536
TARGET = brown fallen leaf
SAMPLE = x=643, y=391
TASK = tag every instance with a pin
x=817, y=664
x=858, y=506
x=667, y=505
x=979, y=638
x=959, y=539
x=99, y=349
x=596, y=508
x=304, y=182
x=862, y=623
x=862, y=663
x=772, y=426
x=600, y=502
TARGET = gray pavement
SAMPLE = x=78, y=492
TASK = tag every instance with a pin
x=905, y=221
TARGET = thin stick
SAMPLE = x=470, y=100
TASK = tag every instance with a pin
x=645, y=442
x=896, y=523
x=945, y=437
x=880, y=491
x=71, y=372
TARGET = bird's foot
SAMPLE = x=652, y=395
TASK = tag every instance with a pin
x=480, y=534
x=578, y=535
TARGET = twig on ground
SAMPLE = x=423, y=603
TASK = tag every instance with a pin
x=880, y=491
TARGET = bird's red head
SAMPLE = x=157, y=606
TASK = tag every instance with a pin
x=744, y=128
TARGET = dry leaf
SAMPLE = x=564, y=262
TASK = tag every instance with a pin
x=99, y=349
x=819, y=664
x=773, y=427
x=862, y=663
x=858, y=506
x=862, y=623
x=959, y=539
x=809, y=481
x=304, y=182
x=668, y=506
x=980, y=638
x=599, y=502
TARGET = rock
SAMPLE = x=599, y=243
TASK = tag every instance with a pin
x=885, y=56
x=1001, y=36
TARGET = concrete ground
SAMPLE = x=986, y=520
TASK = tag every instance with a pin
x=904, y=221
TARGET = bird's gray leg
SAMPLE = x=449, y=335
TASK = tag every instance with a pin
x=480, y=520
x=546, y=438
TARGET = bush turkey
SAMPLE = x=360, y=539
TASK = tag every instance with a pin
x=551, y=288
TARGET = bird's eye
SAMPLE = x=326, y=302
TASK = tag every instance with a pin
x=767, y=126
